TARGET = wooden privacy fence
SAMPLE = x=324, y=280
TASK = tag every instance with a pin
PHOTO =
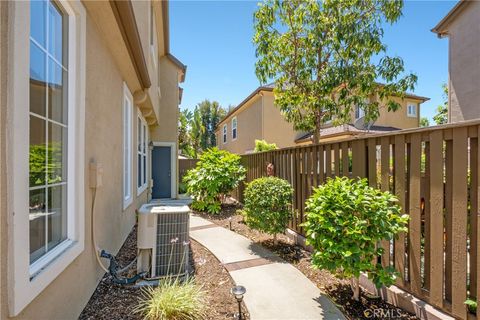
x=184, y=165
x=435, y=174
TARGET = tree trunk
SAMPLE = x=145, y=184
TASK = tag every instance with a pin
x=275, y=240
x=318, y=125
x=354, y=283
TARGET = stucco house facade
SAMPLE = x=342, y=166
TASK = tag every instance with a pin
x=88, y=91
x=257, y=118
x=462, y=29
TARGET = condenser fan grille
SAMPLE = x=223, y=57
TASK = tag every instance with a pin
x=172, y=244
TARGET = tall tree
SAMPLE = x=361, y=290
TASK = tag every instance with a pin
x=441, y=117
x=184, y=141
x=211, y=113
x=424, y=122
x=197, y=130
x=325, y=58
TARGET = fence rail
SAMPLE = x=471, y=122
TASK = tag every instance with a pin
x=435, y=174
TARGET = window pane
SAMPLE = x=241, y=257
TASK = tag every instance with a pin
x=144, y=138
x=57, y=153
x=38, y=80
x=139, y=134
x=144, y=169
x=57, y=89
x=139, y=170
x=37, y=21
x=38, y=151
x=55, y=33
x=57, y=215
x=37, y=224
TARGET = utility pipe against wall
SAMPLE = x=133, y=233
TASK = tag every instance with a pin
x=96, y=175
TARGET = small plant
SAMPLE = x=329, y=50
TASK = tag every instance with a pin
x=182, y=188
x=471, y=305
x=173, y=300
x=345, y=219
x=267, y=205
x=262, y=145
x=216, y=174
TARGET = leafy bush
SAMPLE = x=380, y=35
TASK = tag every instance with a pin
x=173, y=299
x=268, y=205
x=216, y=174
x=182, y=188
x=345, y=219
x=262, y=145
x=471, y=305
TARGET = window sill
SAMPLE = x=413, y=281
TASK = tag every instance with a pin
x=41, y=264
x=142, y=189
x=412, y=115
x=127, y=203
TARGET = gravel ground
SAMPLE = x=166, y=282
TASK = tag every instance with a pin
x=338, y=290
x=111, y=301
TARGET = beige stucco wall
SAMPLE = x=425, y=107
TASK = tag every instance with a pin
x=249, y=128
x=275, y=128
x=167, y=130
x=464, y=64
x=3, y=193
x=66, y=296
x=399, y=118
x=142, y=15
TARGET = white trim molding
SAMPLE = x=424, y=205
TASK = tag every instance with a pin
x=142, y=167
x=234, y=129
x=127, y=123
x=26, y=281
x=224, y=134
x=412, y=106
x=173, y=164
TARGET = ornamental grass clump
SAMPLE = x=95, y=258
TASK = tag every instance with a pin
x=345, y=220
x=268, y=205
x=216, y=174
x=173, y=300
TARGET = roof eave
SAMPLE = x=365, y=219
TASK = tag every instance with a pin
x=440, y=28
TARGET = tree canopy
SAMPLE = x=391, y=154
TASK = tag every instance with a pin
x=325, y=57
x=196, y=130
x=441, y=117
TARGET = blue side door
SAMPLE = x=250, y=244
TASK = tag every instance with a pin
x=161, y=172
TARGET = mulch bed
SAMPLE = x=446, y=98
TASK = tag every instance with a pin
x=338, y=290
x=112, y=301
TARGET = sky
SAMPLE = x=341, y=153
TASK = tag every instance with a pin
x=214, y=40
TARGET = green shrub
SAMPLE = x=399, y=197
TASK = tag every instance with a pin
x=262, y=145
x=471, y=305
x=216, y=174
x=173, y=300
x=345, y=219
x=268, y=205
x=182, y=188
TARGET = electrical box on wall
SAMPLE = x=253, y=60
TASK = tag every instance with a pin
x=96, y=175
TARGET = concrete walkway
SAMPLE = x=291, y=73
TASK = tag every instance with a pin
x=275, y=289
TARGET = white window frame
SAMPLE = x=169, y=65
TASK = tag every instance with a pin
x=415, y=109
x=224, y=133
x=361, y=112
x=127, y=108
x=234, y=128
x=143, y=165
x=27, y=280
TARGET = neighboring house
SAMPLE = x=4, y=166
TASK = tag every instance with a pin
x=257, y=117
x=461, y=26
x=89, y=96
